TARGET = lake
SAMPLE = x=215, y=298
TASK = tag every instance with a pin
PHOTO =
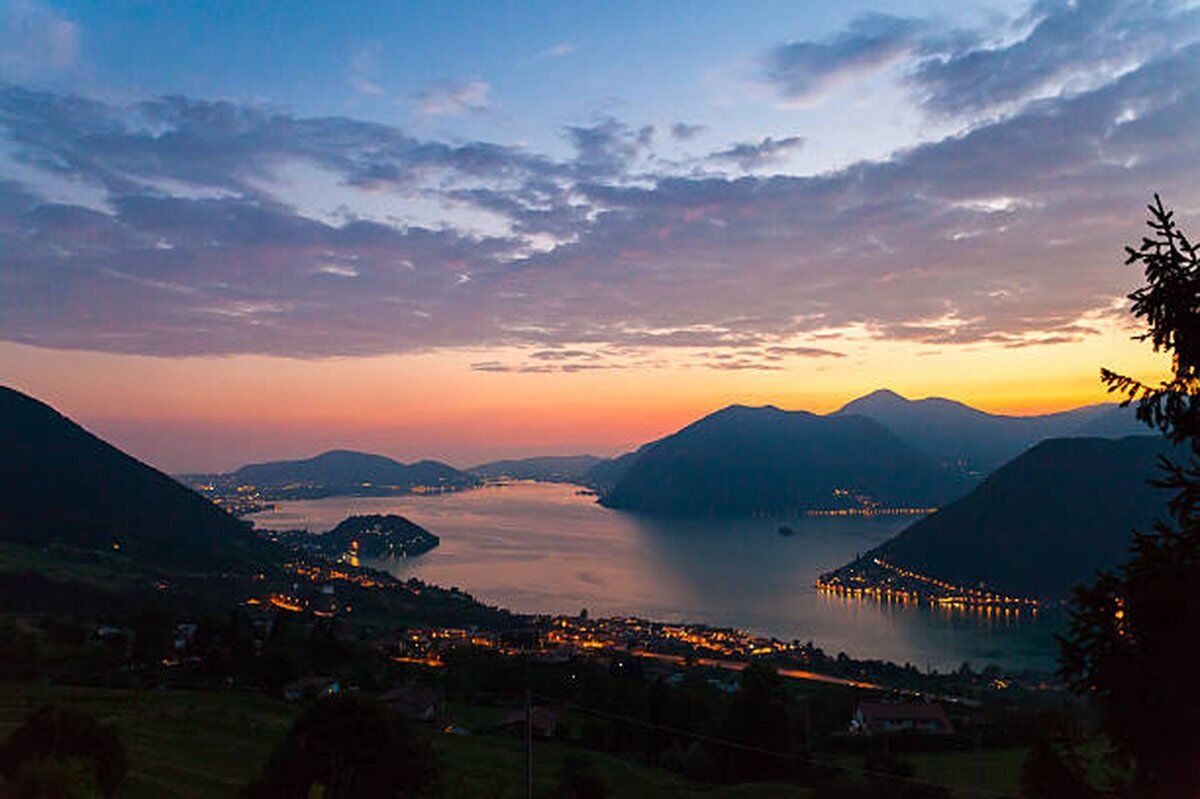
x=543, y=548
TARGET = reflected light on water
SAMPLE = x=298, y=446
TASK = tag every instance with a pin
x=542, y=548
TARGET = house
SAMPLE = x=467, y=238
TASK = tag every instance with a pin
x=416, y=701
x=884, y=718
x=311, y=688
x=543, y=720
x=185, y=634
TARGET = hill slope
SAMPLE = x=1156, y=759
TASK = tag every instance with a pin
x=547, y=468
x=743, y=460
x=344, y=472
x=955, y=433
x=1042, y=523
x=61, y=484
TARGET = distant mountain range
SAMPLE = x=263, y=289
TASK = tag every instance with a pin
x=547, y=468
x=1042, y=523
x=955, y=433
x=340, y=472
x=917, y=452
x=744, y=460
x=59, y=484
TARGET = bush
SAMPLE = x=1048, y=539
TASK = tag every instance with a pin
x=63, y=747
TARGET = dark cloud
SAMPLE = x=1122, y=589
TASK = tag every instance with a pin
x=608, y=147
x=1007, y=234
x=683, y=131
x=1069, y=45
x=800, y=352
x=219, y=145
x=564, y=355
x=803, y=70
x=752, y=155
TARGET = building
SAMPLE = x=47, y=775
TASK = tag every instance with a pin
x=311, y=688
x=543, y=720
x=884, y=718
x=416, y=701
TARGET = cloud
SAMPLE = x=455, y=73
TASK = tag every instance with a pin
x=362, y=67
x=779, y=352
x=801, y=71
x=752, y=155
x=35, y=39
x=1068, y=46
x=609, y=146
x=1055, y=48
x=559, y=50
x=684, y=132
x=452, y=98
x=185, y=242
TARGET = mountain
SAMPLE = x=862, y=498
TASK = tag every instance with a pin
x=1043, y=522
x=605, y=475
x=547, y=468
x=743, y=460
x=345, y=472
x=59, y=484
x=976, y=441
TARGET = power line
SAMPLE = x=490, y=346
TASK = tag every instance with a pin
x=781, y=755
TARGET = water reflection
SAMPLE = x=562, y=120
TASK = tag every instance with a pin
x=543, y=548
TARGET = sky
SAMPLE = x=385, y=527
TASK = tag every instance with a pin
x=242, y=231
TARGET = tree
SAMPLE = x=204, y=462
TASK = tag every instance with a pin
x=63, y=752
x=1131, y=630
x=1052, y=770
x=347, y=747
x=580, y=778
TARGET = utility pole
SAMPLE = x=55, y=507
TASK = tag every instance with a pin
x=807, y=729
x=528, y=743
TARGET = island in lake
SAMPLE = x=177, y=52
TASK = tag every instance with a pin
x=370, y=536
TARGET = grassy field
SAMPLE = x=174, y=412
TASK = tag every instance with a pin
x=995, y=771
x=188, y=744
x=104, y=570
x=180, y=743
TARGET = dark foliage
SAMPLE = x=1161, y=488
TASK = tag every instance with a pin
x=1053, y=770
x=347, y=747
x=580, y=778
x=56, y=747
x=1131, y=627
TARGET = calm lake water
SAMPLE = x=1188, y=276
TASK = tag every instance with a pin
x=542, y=548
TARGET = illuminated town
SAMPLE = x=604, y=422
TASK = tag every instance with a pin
x=325, y=592
x=882, y=581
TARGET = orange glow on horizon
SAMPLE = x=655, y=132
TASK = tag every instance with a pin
x=210, y=413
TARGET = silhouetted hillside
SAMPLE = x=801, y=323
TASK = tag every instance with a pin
x=955, y=433
x=744, y=460
x=547, y=468
x=607, y=473
x=61, y=484
x=1042, y=523
x=345, y=472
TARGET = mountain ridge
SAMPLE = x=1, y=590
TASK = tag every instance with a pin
x=978, y=441
x=744, y=460
x=1041, y=523
x=61, y=484
x=339, y=471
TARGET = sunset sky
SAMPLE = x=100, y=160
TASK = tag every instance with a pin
x=239, y=231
